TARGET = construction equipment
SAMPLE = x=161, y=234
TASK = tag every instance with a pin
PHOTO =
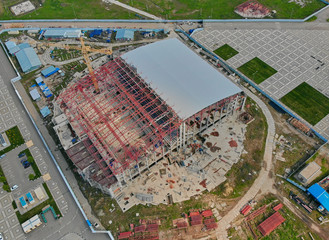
x=85, y=52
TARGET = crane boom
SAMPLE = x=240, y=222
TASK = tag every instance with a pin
x=85, y=53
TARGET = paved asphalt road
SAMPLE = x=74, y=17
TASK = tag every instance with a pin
x=73, y=221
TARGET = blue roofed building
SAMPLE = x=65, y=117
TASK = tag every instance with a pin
x=39, y=80
x=320, y=195
x=124, y=35
x=35, y=95
x=49, y=71
x=23, y=202
x=45, y=112
x=13, y=48
x=62, y=33
x=28, y=59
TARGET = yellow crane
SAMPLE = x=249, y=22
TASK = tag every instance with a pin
x=85, y=53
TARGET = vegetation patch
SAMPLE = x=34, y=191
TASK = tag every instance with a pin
x=226, y=52
x=69, y=9
x=257, y=70
x=243, y=174
x=307, y=102
x=168, y=9
x=30, y=159
x=38, y=209
x=15, y=138
x=289, y=229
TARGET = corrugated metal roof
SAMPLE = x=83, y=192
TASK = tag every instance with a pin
x=10, y=44
x=270, y=223
x=124, y=34
x=28, y=59
x=62, y=33
x=35, y=94
x=48, y=70
x=320, y=194
x=45, y=111
x=186, y=81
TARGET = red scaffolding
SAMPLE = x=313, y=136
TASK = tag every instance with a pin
x=125, y=121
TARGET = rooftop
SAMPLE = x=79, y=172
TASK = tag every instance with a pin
x=28, y=59
x=320, y=194
x=270, y=223
x=186, y=81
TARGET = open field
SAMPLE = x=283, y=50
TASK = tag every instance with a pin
x=257, y=70
x=307, y=102
x=69, y=9
x=219, y=9
x=177, y=9
x=226, y=52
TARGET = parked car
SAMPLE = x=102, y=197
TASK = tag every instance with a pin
x=25, y=163
x=21, y=155
x=12, y=189
x=1, y=238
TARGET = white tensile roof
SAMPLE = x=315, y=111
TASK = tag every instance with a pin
x=182, y=78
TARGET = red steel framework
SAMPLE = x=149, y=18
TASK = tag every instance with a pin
x=125, y=121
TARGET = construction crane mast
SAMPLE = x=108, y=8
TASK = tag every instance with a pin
x=85, y=53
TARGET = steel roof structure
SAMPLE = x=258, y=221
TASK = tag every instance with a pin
x=186, y=81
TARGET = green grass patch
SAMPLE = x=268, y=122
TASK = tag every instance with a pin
x=220, y=9
x=168, y=9
x=36, y=170
x=15, y=138
x=226, y=52
x=38, y=209
x=312, y=19
x=307, y=102
x=14, y=204
x=257, y=70
x=69, y=9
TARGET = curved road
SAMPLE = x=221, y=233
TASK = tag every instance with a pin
x=264, y=182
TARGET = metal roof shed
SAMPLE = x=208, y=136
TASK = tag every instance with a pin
x=124, y=34
x=49, y=71
x=28, y=59
x=187, y=82
x=39, y=80
x=45, y=112
x=270, y=224
x=35, y=94
x=320, y=195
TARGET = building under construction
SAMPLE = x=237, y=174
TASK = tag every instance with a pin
x=151, y=102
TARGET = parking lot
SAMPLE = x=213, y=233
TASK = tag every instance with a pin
x=298, y=56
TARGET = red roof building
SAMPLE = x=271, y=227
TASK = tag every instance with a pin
x=211, y=226
x=124, y=235
x=278, y=207
x=207, y=213
x=270, y=223
x=196, y=218
x=245, y=210
x=182, y=224
x=152, y=227
x=194, y=214
x=140, y=228
x=209, y=220
x=197, y=222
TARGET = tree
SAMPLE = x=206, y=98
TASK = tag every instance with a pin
x=6, y=187
x=31, y=177
x=30, y=159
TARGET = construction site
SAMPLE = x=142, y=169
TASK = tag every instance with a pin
x=146, y=119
